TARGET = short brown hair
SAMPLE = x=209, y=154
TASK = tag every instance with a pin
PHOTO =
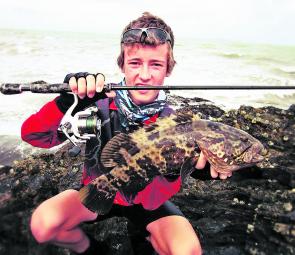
x=149, y=20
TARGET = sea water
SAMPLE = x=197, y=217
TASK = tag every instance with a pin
x=27, y=56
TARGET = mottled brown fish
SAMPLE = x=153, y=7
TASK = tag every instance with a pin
x=170, y=145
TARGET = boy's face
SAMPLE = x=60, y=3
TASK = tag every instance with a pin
x=145, y=65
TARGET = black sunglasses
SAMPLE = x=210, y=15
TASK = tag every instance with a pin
x=138, y=35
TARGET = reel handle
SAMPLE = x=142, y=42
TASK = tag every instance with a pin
x=10, y=88
x=16, y=88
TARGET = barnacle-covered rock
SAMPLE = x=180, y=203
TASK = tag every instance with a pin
x=250, y=213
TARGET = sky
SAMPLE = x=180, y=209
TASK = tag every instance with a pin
x=264, y=21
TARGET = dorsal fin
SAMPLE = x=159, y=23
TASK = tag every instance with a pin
x=151, y=126
x=173, y=119
x=111, y=154
x=185, y=117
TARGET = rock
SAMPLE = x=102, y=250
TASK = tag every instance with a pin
x=250, y=213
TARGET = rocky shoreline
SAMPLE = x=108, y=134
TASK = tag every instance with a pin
x=250, y=213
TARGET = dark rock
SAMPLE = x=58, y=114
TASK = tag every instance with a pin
x=250, y=213
x=292, y=108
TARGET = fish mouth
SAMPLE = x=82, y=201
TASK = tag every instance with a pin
x=258, y=158
x=255, y=154
x=261, y=154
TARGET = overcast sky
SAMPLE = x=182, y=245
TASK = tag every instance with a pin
x=269, y=21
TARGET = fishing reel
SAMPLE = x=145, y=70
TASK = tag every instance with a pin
x=80, y=127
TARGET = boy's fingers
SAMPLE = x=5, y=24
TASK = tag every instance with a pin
x=81, y=87
x=213, y=172
x=223, y=176
x=90, y=85
x=99, y=82
x=73, y=85
x=201, y=161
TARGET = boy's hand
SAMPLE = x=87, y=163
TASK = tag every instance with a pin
x=214, y=172
x=86, y=84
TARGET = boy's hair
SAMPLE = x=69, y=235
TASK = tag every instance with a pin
x=145, y=21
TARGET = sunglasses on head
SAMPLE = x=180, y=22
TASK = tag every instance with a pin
x=138, y=35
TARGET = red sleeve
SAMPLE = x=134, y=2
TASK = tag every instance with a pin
x=157, y=192
x=154, y=194
x=40, y=129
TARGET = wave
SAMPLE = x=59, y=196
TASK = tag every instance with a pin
x=284, y=101
x=18, y=49
x=13, y=148
x=288, y=72
x=254, y=59
x=231, y=55
x=264, y=59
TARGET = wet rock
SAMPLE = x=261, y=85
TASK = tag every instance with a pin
x=253, y=212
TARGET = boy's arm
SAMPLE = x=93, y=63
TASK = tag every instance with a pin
x=40, y=129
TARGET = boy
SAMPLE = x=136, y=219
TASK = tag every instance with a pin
x=146, y=58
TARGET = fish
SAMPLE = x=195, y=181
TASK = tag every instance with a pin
x=168, y=146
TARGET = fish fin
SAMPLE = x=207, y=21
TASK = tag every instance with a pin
x=97, y=200
x=111, y=156
x=184, y=117
x=152, y=126
x=187, y=168
x=179, y=117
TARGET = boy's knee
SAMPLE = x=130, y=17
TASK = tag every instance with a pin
x=40, y=233
x=57, y=214
x=177, y=248
x=188, y=249
x=43, y=227
x=174, y=235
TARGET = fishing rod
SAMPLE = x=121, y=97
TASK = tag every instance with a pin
x=83, y=125
x=17, y=88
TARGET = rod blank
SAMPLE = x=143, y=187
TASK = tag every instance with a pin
x=201, y=87
x=17, y=88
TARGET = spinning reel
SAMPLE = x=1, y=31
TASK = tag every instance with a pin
x=80, y=127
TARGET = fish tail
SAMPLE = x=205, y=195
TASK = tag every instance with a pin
x=96, y=200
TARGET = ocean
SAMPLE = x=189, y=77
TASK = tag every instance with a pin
x=28, y=56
